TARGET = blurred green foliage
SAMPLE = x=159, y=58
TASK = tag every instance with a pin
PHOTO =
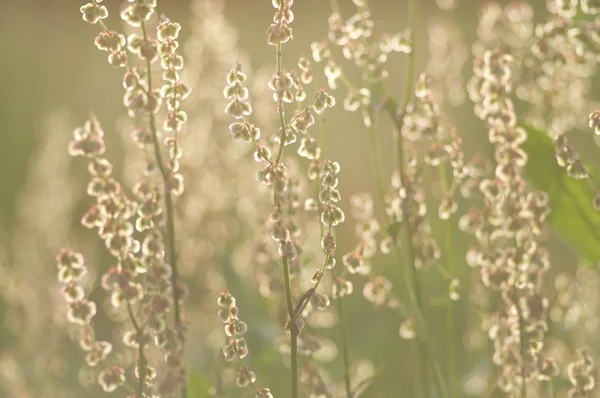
x=573, y=216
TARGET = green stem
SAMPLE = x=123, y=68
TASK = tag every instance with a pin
x=293, y=329
x=141, y=357
x=410, y=279
x=399, y=123
x=523, y=345
x=286, y=265
x=343, y=331
x=447, y=259
x=170, y=217
x=345, y=354
x=376, y=159
x=425, y=348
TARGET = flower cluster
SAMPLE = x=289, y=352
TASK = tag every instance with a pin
x=279, y=32
x=509, y=231
x=71, y=269
x=143, y=284
x=580, y=374
x=236, y=346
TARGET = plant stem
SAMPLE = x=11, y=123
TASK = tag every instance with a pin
x=523, y=345
x=399, y=122
x=345, y=355
x=342, y=324
x=376, y=159
x=447, y=260
x=293, y=330
x=409, y=279
x=286, y=265
x=170, y=218
x=141, y=358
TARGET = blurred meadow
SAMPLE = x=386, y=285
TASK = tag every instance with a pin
x=53, y=78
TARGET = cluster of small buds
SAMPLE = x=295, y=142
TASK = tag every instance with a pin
x=581, y=376
x=439, y=153
x=509, y=228
x=594, y=121
x=488, y=87
x=331, y=215
x=590, y=7
x=478, y=168
x=567, y=156
x=355, y=37
x=114, y=43
x=139, y=100
x=139, y=12
x=94, y=12
x=236, y=346
x=422, y=121
x=562, y=57
x=407, y=204
x=235, y=91
x=282, y=84
x=279, y=32
x=378, y=291
x=81, y=311
x=174, y=91
x=141, y=276
x=71, y=269
x=357, y=261
x=306, y=73
x=141, y=280
x=112, y=210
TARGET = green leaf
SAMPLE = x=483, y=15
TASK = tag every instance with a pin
x=198, y=386
x=573, y=215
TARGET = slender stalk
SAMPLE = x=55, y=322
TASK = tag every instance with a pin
x=342, y=324
x=523, y=345
x=409, y=275
x=345, y=354
x=170, y=216
x=399, y=122
x=286, y=265
x=293, y=330
x=376, y=159
x=141, y=357
x=447, y=266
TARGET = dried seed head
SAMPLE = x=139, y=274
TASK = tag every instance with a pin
x=93, y=12
x=111, y=378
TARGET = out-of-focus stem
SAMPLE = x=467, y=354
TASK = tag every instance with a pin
x=141, y=357
x=447, y=266
x=345, y=354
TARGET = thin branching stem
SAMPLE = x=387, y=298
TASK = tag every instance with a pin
x=408, y=278
x=170, y=216
x=340, y=303
x=398, y=120
x=286, y=265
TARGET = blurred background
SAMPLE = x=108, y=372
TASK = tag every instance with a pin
x=52, y=78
